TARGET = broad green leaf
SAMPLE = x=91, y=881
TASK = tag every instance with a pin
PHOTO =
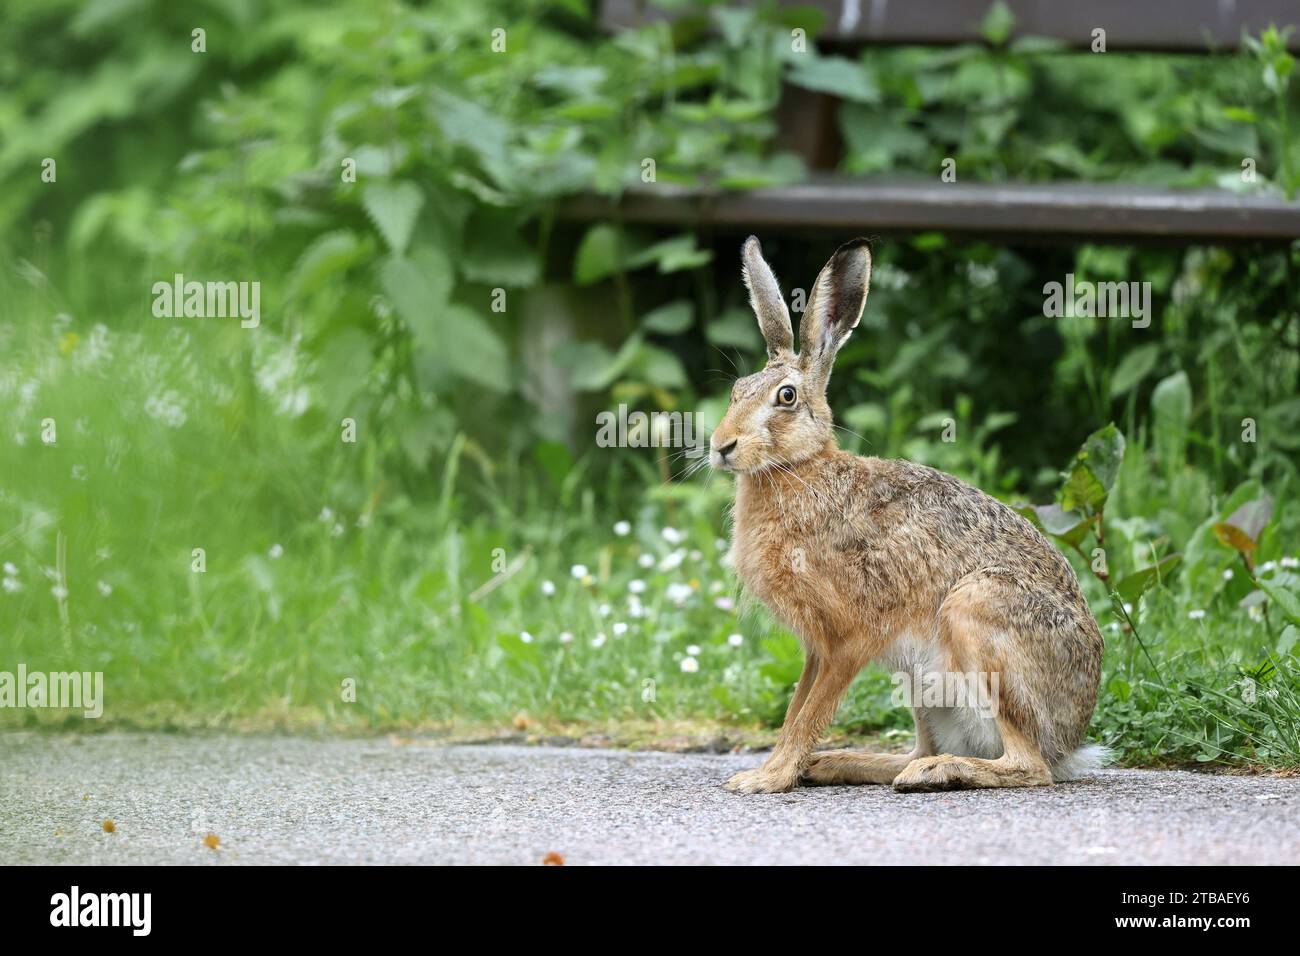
x=341, y=369
x=495, y=254
x=418, y=285
x=846, y=79
x=393, y=208
x=672, y=255
x=1287, y=601
x=658, y=366
x=556, y=460
x=671, y=319
x=735, y=25
x=328, y=255
x=468, y=124
x=1171, y=404
x=997, y=24
x=753, y=172
x=1239, y=114
x=735, y=328
x=593, y=367
x=1070, y=526
x=480, y=354
x=453, y=338
x=599, y=254
x=1133, y=586
x=1092, y=473
x=1133, y=368
x=868, y=417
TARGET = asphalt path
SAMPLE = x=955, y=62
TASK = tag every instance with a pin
x=277, y=799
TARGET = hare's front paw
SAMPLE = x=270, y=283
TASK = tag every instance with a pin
x=762, y=780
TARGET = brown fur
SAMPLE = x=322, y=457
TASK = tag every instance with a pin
x=869, y=559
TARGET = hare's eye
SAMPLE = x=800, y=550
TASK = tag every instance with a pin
x=785, y=395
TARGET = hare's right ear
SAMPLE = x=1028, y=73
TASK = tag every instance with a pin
x=765, y=299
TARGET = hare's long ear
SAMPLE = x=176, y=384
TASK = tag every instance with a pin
x=765, y=299
x=834, y=308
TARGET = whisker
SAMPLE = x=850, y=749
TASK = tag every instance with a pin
x=858, y=435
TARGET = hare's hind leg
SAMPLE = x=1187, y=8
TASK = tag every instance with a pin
x=1021, y=765
x=989, y=631
x=848, y=767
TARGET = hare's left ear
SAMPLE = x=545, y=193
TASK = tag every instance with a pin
x=834, y=308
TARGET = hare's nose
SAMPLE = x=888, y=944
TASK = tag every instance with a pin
x=727, y=449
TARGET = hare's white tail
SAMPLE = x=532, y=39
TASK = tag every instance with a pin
x=1082, y=762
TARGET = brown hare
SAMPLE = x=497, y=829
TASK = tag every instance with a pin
x=868, y=559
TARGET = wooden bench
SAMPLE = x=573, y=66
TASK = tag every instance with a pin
x=1186, y=25
x=1010, y=211
x=1113, y=212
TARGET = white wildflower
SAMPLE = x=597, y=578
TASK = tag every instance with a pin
x=690, y=665
x=672, y=561
x=678, y=593
x=168, y=408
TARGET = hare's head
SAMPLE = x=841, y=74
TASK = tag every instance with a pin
x=779, y=416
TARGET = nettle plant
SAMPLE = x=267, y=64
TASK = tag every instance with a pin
x=1249, y=532
x=1235, y=557
x=1028, y=108
x=1077, y=520
x=392, y=176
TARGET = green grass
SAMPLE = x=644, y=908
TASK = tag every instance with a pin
x=322, y=567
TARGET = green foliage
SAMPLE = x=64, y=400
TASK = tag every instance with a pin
x=1029, y=110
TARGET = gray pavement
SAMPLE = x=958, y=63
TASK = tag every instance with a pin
x=302, y=800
